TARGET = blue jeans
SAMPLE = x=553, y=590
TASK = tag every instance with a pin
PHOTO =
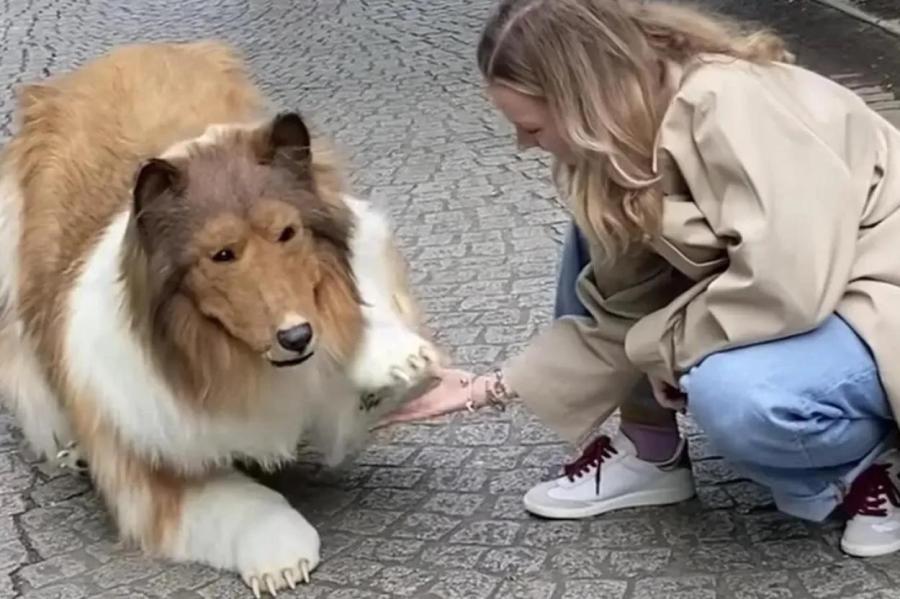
x=802, y=415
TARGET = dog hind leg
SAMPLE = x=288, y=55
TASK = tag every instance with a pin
x=23, y=385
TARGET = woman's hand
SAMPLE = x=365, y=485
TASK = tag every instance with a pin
x=667, y=395
x=454, y=393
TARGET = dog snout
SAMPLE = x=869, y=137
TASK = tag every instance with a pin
x=296, y=338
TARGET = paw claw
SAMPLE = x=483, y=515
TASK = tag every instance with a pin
x=304, y=570
x=254, y=587
x=417, y=363
x=70, y=458
x=289, y=579
x=399, y=376
x=270, y=585
x=428, y=354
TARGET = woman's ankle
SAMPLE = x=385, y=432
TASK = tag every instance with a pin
x=653, y=442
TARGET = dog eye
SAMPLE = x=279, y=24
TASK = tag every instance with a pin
x=225, y=255
x=287, y=234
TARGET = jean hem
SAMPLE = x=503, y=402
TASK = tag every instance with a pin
x=819, y=506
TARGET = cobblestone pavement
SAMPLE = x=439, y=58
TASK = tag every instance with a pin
x=431, y=510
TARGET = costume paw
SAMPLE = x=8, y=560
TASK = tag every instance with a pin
x=69, y=458
x=392, y=361
x=277, y=551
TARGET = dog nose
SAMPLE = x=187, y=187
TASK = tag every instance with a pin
x=296, y=338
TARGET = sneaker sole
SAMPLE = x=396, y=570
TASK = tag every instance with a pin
x=639, y=499
x=870, y=550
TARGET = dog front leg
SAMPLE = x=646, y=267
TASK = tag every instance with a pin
x=393, y=357
x=223, y=519
x=232, y=522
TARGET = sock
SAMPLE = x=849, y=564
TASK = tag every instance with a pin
x=653, y=443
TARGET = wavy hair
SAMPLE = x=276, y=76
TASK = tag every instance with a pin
x=602, y=66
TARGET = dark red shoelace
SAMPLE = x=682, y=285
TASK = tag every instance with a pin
x=593, y=455
x=870, y=491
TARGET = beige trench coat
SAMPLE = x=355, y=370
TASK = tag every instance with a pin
x=781, y=208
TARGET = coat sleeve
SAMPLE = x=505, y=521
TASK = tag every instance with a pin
x=782, y=198
x=575, y=373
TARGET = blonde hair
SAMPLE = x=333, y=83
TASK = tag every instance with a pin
x=601, y=65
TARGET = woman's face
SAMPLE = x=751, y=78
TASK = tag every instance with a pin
x=535, y=126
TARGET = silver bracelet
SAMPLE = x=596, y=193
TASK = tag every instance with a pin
x=496, y=393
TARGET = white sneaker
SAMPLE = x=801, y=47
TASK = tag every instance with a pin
x=873, y=505
x=609, y=476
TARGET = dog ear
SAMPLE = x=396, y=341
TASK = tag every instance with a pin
x=155, y=178
x=288, y=143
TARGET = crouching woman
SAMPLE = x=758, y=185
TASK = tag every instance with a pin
x=735, y=253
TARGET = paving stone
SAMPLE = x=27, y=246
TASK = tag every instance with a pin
x=177, y=578
x=424, y=526
x=684, y=587
x=56, y=541
x=579, y=562
x=7, y=530
x=513, y=561
x=750, y=497
x=55, y=569
x=387, y=455
x=400, y=581
x=418, y=434
x=59, y=489
x=367, y=522
x=58, y=591
x=453, y=556
x=350, y=593
x=12, y=555
x=721, y=557
x=796, y=553
x=348, y=570
x=714, y=471
x=125, y=571
x=515, y=481
x=608, y=589
x=841, y=580
x=496, y=458
x=547, y=456
x=509, y=507
x=698, y=527
x=638, y=562
x=486, y=532
x=464, y=585
x=625, y=533
x=387, y=550
x=458, y=480
x=526, y=589
x=759, y=585
x=403, y=478
x=454, y=504
x=550, y=534
x=11, y=504
x=883, y=593
x=765, y=527
x=392, y=499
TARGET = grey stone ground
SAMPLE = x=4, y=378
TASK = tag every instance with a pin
x=431, y=510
